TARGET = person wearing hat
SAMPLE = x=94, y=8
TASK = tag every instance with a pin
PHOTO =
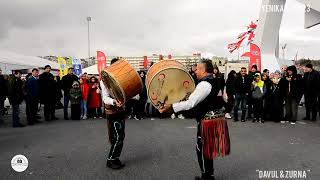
x=66, y=83
x=47, y=91
x=312, y=87
x=254, y=70
x=258, y=88
x=293, y=88
x=75, y=98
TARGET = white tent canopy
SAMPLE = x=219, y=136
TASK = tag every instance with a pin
x=91, y=69
x=11, y=61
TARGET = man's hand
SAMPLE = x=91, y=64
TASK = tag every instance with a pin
x=167, y=108
x=117, y=103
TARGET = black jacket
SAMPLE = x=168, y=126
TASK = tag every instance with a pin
x=15, y=90
x=230, y=86
x=243, y=85
x=47, y=88
x=66, y=83
x=311, y=83
x=3, y=88
x=32, y=87
x=293, y=88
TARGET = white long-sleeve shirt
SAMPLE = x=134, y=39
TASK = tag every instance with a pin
x=106, y=95
x=202, y=90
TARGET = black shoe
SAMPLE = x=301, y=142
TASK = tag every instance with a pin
x=306, y=118
x=261, y=120
x=37, y=121
x=66, y=118
x=54, y=118
x=19, y=125
x=243, y=120
x=254, y=120
x=117, y=161
x=30, y=123
x=235, y=120
x=113, y=165
x=204, y=177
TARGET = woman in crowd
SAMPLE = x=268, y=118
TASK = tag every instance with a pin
x=231, y=92
x=276, y=97
x=85, y=92
x=220, y=84
x=94, y=98
x=258, y=91
x=266, y=101
x=75, y=99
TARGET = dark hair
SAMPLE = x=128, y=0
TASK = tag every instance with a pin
x=217, y=68
x=231, y=73
x=243, y=68
x=114, y=60
x=17, y=72
x=70, y=68
x=265, y=70
x=309, y=66
x=208, y=65
x=35, y=69
x=45, y=67
x=254, y=66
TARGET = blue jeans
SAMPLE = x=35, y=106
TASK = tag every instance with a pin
x=84, y=108
x=66, y=100
x=15, y=114
x=240, y=98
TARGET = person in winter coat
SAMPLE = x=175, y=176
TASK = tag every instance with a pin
x=293, y=87
x=16, y=96
x=75, y=98
x=142, y=98
x=258, y=91
x=266, y=100
x=84, y=102
x=311, y=80
x=242, y=87
x=94, y=98
x=48, y=93
x=231, y=92
x=32, y=97
x=276, y=97
x=67, y=82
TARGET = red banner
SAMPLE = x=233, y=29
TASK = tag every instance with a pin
x=101, y=61
x=145, y=62
x=255, y=56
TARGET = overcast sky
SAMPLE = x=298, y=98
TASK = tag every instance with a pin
x=142, y=27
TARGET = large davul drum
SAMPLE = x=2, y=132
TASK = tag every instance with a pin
x=168, y=81
x=122, y=80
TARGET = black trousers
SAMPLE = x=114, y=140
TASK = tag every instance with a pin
x=240, y=99
x=116, y=128
x=311, y=106
x=230, y=103
x=49, y=110
x=291, y=109
x=206, y=165
x=32, y=109
x=257, y=107
x=250, y=105
x=75, y=111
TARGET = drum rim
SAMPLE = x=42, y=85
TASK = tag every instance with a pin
x=158, y=73
x=161, y=62
x=121, y=89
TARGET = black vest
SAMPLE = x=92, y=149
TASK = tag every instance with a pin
x=209, y=103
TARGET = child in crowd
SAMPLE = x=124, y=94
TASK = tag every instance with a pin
x=258, y=91
x=75, y=95
x=84, y=91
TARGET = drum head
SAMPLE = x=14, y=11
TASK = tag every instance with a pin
x=170, y=85
x=113, y=86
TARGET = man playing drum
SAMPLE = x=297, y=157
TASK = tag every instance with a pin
x=116, y=126
x=212, y=137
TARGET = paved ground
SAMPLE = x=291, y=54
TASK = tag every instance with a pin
x=160, y=149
